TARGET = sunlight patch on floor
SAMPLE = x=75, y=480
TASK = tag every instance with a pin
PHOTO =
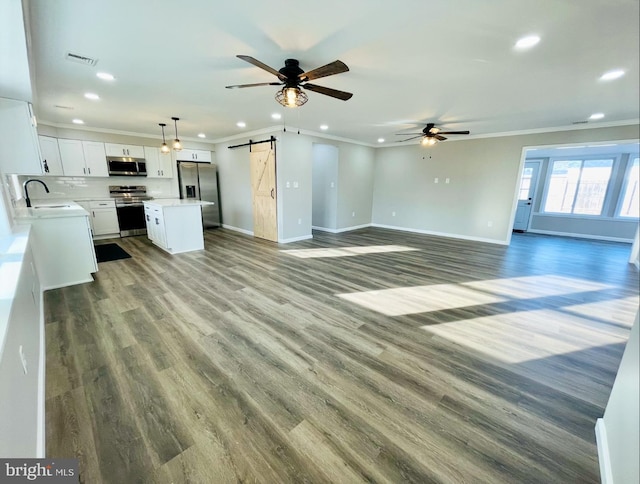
x=532, y=335
x=438, y=297
x=346, y=251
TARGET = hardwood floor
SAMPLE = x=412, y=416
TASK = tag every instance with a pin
x=454, y=362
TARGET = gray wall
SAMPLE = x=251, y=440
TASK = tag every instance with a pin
x=356, y=167
x=325, y=186
x=483, y=173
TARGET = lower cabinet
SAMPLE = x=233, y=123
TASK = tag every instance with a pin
x=63, y=251
x=175, y=229
x=104, y=218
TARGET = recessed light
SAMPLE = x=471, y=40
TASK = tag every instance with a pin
x=202, y=135
x=380, y=140
x=597, y=116
x=324, y=127
x=241, y=124
x=527, y=42
x=611, y=75
x=92, y=96
x=77, y=121
x=105, y=76
x=276, y=116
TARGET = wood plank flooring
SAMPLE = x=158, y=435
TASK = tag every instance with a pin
x=453, y=362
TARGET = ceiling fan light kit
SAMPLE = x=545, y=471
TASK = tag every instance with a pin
x=430, y=135
x=291, y=97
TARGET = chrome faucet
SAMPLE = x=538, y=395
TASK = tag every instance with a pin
x=26, y=191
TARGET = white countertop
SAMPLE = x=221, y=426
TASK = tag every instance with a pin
x=176, y=202
x=57, y=209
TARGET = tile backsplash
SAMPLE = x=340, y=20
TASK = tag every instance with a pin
x=79, y=188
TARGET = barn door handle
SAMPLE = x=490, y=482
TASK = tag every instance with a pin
x=272, y=193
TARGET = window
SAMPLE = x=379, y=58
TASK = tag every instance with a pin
x=578, y=186
x=630, y=205
x=525, y=183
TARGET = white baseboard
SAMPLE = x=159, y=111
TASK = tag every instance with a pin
x=237, y=229
x=606, y=475
x=580, y=236
x=295, y=239
x=338, y=231
x=72, y=283
x=442, y=234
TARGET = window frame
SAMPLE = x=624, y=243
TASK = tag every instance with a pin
x=622, y=192
x=606, y=203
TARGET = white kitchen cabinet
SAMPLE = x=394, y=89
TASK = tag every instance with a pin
x=51, y=162
x=104, y=218
x=159, y=165
x=19, y=149
x=83, y=158
x=202, y=156
x=175, y=225
x=114, y=149
x=62, y=247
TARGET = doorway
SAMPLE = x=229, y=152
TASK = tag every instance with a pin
x=526, y=195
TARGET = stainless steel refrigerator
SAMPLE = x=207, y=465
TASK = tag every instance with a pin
x=199, y=181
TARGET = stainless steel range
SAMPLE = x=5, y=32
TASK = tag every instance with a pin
x=130, y=209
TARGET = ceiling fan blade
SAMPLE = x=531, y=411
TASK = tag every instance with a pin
x=453, y=132
x=336, y=67
x=343, y=95
x=438, y=137
x=409, y=139
x=409, y=134
x=262, y=65
x=237, y=86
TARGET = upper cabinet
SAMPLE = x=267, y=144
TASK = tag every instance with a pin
x=19, y=150
x=202, y=156
x=159, y=165
x=51, y=162
x=133, y=151
x=83, y=158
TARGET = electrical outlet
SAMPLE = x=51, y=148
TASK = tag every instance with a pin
x=353, y=214
x=393, y=214
x=295, y=184
x=332, y=185
x=447, y=180
x=299, y=221
x=288, y=185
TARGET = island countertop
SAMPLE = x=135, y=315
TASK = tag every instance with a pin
x=176, y=202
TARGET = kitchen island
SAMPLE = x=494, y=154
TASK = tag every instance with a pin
x=175, y=225
x=62, y=243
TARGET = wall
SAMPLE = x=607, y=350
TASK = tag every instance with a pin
x=325, y=186
x=605, y=227
x=618, y=431
x=479, y=202
x=355, y=185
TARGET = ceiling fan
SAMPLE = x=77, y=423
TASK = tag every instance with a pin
x=430, y=134
x=293, y=78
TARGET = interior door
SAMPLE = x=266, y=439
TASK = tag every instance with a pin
x=528, y=184
x=263, y=187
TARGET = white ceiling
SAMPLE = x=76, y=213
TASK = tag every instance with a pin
x=411, y=62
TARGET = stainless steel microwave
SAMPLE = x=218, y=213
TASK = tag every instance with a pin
x=126, y=166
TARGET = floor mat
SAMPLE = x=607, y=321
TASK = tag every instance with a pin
x=109, y=252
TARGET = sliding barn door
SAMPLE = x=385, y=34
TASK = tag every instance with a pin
x=263, y=186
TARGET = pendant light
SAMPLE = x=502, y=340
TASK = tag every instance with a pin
x=164, y=148
x=177, y=146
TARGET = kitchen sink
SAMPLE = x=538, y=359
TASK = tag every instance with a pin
x=52, y=206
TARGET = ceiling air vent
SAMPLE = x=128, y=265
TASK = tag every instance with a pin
x=81, y=59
